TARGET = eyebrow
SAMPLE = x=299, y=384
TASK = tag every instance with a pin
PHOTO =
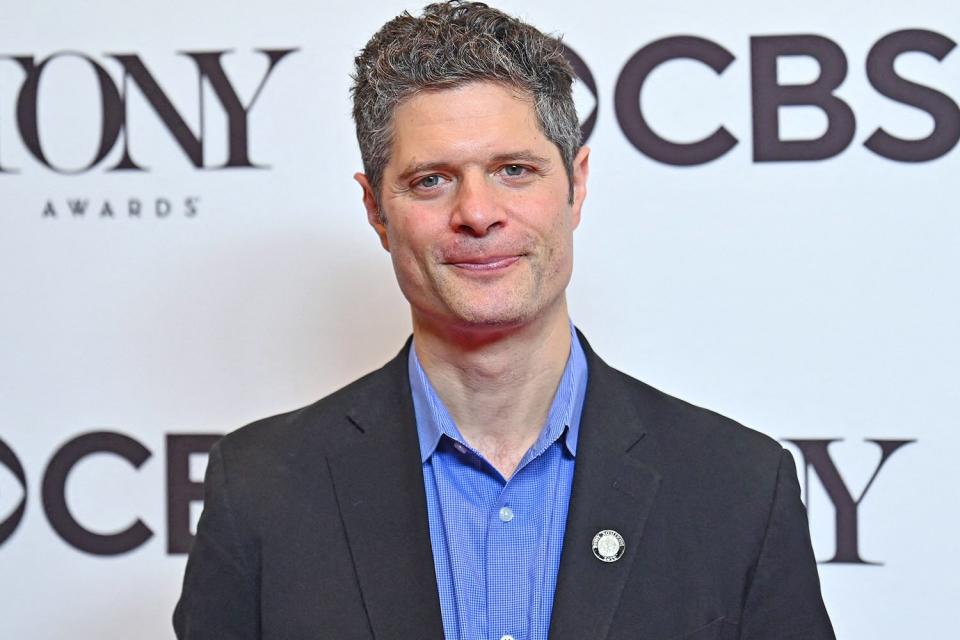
x=514, y=156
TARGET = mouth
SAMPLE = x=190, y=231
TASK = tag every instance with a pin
x=485, y=263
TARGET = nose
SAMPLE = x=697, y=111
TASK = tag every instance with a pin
x=476, y=210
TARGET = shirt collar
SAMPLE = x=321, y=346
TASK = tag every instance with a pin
x=434, y=421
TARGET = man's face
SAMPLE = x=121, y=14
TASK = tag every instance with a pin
x=479, y=222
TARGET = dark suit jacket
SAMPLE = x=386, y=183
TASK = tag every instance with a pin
x=315, y=525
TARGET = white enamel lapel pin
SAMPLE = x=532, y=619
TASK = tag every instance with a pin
x=608, y=545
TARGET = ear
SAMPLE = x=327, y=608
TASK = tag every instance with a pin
x=374, y=215
x=581, y=171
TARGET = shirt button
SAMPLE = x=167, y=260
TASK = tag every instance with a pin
x=506, y=515
x=506, y=637
x=459, y=447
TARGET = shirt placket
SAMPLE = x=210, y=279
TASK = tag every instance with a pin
x=506, y=597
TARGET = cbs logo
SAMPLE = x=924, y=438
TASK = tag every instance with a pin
x=181, y=491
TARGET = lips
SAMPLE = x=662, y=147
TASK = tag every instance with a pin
x=484, y=263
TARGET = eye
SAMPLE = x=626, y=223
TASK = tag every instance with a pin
x=429, y=182
x=514, y=170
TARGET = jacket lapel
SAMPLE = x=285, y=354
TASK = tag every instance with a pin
x=379, y=487
x=611, y=490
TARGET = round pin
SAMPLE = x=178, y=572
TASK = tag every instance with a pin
x=608, y=545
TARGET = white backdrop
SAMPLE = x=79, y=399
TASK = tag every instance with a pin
x=813, y=300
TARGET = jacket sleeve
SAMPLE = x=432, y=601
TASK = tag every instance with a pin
x=220, y=598
x=783, y=600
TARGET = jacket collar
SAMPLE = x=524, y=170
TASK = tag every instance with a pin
x=379, y=486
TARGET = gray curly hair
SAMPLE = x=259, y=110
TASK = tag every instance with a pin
x=451, y=44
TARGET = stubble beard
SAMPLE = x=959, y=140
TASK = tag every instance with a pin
x=498, y=304
x=493, y=304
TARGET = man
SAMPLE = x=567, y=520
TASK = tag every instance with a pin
x=496, y=479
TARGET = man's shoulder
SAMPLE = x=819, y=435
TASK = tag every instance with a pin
x=710, y=466
x=684, y=435
x=684, y=424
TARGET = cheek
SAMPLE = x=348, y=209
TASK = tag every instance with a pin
x=560, y=241
x=556, y=223
x=408, y=251
x=400, y=237
x=539, y=213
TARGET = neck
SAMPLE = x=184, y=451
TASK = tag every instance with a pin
x=498, y=384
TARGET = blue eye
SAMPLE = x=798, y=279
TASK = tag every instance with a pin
x=514, y=170
x=429, y=182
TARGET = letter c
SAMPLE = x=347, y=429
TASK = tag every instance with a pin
x=54, y=493
x=627, y=101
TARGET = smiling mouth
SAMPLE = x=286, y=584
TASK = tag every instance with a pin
x=493, y=263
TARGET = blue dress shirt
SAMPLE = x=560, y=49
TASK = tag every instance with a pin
x=497, y=542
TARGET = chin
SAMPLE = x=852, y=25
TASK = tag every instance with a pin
x=494, y=315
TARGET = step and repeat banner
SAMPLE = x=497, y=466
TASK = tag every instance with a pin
x=772, y=231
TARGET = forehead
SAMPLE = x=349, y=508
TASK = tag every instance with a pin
x=475, y=119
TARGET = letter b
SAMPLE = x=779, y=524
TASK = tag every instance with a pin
x=769, y=96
